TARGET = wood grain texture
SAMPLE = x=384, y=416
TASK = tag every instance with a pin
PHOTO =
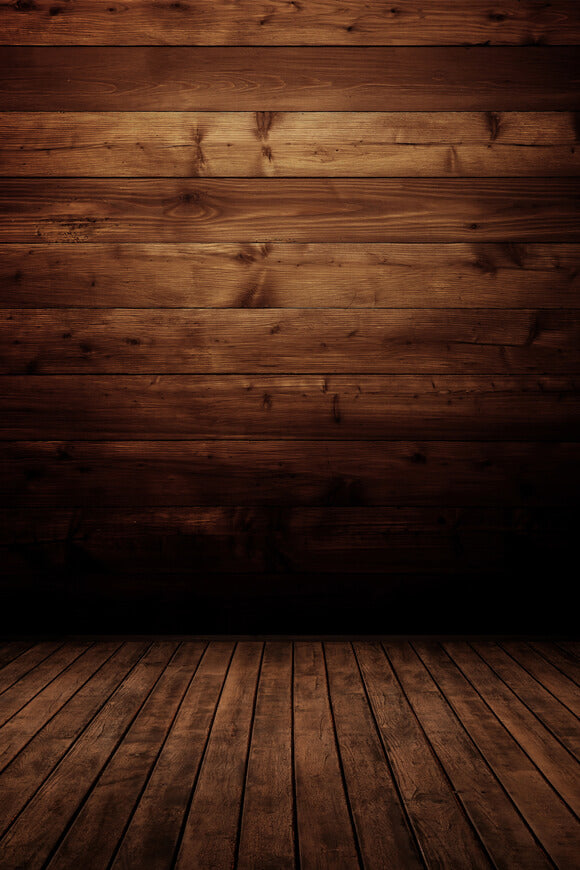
x=280, y=275
x=197, y=540
x=326, y=22
x=119, y=341
x=159, y=78
x=278, y=209
x=289, y=473
x=243, y=144
x=335, y=407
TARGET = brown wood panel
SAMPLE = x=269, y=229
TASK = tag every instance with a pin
x=119, y=341
x=159, y=78
x=24, y=664
x=247, y=144
x=190, y=541
x=278, y=275
x=150, y=407
x=561, y=658
x=545, y=673
x=299, y=210
x=289, y=473
x=313, y=22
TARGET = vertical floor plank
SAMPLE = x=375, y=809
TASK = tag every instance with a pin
x=99, y=825
x=547, y=753
x=211, y=828
x=506, y=837
x=151, y=838
x=547, y=674
x=442, y=829
x=267, y=832
x=28, y=843
x=557, y=718
x=325, y=834
x=381, y=824
x=547, y=815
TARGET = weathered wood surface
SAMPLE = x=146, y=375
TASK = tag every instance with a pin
x=282, y=275
x=311, y=22
x=291, y=210
x=423, y=407
x=321, y=78
x=45, y=473
x=162, y=144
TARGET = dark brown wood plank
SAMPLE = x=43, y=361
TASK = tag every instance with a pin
x=300, y=144
x=293, y=210
x=36, y=474
x=266, y=827
x=217, y=22
x=383, y=830
x=325, y=834
x=25, y=663
x=550, y=756
x=134, y=541
x=31, y=838
x=100, y=823
x=507, y=839
x=26, y=773
x=545, y=673
x=454, y=407
x=556, y=717
x=161, y=78
x=551, y=821
x=210, y=830
x=152, y=835
x=428, y=796
x=125, y=341
x=560, y=658
x=22, y=727
x=336, y=275
x=28, y=686
x=10, y=651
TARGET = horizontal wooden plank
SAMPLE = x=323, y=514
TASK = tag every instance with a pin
x=247, y=144
x=44, y=341
x=293, y=210
x=280, y=275
x=193, y=541
x=287, y=473
x=247, y=22
x=160, y=78
x=453, y=407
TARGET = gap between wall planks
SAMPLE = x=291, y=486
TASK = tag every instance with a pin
x=412, y=203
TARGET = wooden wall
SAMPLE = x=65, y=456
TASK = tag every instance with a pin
x=290, y=315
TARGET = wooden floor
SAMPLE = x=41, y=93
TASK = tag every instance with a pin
x=280, y=754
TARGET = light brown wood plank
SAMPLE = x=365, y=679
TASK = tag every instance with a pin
x=454, y=407
x=336, y=275
x=551, y=757
x=286, y=473
x=23, y=726
x=293, y=210
x=508, y=841
x=243, y=144
x=100, y=823
x=266, y=828
x=556, y=717
x=160, y=78
x=210, y=830
x=383, y=830
x=428, y=797
x=182, y=341
x=26, y=773
x=326, y=22
x=36, y=831
x=153, y=832
x=551, y=821
x=28, y=686
x=325, y=834
x=134, y=541
x=545, y=673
